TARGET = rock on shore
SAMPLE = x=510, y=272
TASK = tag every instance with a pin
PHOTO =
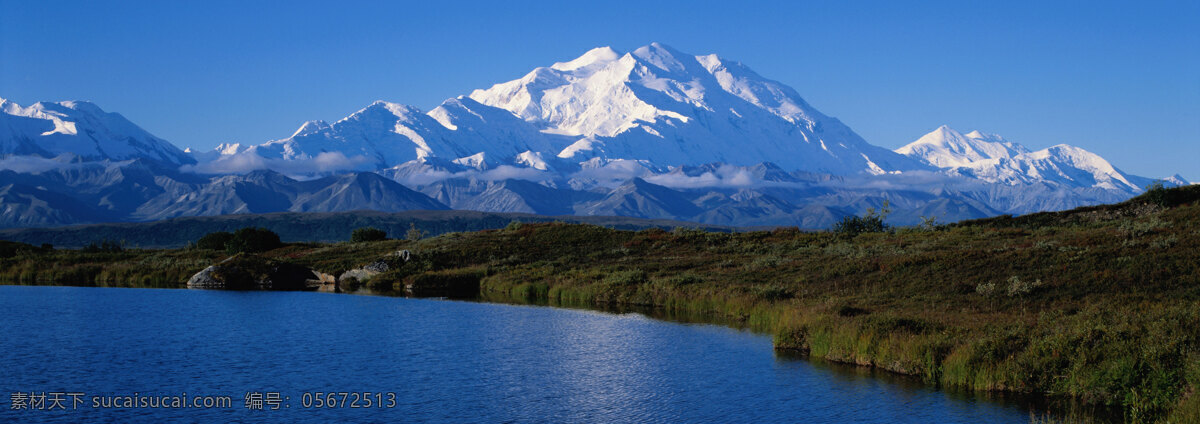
x=248, y=272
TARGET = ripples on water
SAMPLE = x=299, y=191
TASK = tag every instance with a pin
x=446, y=361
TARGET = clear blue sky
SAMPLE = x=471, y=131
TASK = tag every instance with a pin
x=1120, y=79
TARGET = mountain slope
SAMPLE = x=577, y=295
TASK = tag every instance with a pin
x=28, y=206
x=79, y=129
x=384, y=135
x=363, y=190
x=638, y=198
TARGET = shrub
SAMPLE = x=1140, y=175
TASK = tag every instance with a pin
x=9, y=249
x=686, y=231
x=774, y=292
x=368, y=234
x=1156, y=194
x=1016, y=287
x=850, y=311
x=685, y=279
x=106, y=246
x=215, y=241
x=872, y=222
x=625, y=278
x=453, y=283
x=252, y=240
x=765, y=262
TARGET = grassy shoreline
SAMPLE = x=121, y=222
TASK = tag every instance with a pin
x=1099, y=304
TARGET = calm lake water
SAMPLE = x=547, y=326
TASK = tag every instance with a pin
x=433, y=360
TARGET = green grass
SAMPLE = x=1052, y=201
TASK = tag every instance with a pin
x=1099, y=304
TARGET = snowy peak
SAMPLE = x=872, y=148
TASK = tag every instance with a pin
x=744, y=83
x=654, y=105
x=384, y=135
x=671, y=108
x=1079, y=166
x=664, y=58
x=596, y=56
x=588, y=96
x=1176, y=181
x=992, y=158
x=947, y=148
x=377, y=136
x=81, y=129
x=311, y=127
x=994, y=138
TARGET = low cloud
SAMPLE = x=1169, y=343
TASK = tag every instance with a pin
x=723, y=176
x=506, y=172
x=614, y=173
x=911, y=180
x=610, y=175
x=502, y=172
x=241, y=163
x=31, y=164
x=424, y=178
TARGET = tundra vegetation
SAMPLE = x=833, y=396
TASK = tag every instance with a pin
x=1098, y=304
x=245, y=240
x=368, y=234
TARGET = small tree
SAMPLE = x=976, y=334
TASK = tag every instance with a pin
x=218, y=240
x=253, y=240
x=929, y=223
x=368, y=234
x=413, y=233
x=1156, y=193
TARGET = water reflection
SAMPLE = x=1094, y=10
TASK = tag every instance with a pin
x=446, y=361
x=860, y=380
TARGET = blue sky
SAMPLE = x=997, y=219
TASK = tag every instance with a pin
x=1120, y=79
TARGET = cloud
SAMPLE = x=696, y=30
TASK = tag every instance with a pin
x=507, y=172
x=431, y=175
x=244, y=162
x=610, y=175
x=31, y=164
x=911, y=180
x=614, y=173
x=723, y=176
x=428, y=177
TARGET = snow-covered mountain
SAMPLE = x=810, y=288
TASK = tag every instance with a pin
x=386, y=134
x=655, y=105
x=991, y=158
x=651, y=133
x=79, y=129
x=947, y=148
x=672, y=108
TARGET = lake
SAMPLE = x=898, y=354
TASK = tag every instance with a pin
x=424, y=360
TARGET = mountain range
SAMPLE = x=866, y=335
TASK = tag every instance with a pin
x=651, y=133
